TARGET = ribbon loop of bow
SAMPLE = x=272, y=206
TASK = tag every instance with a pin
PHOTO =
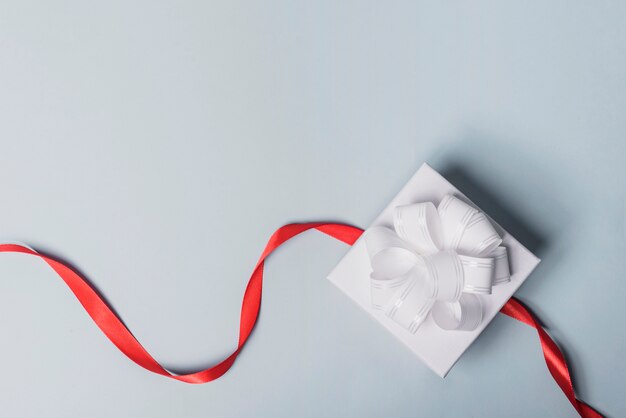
x=437, y=261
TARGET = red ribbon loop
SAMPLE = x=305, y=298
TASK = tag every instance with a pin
x=123, y=339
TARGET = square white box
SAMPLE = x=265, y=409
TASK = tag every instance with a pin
x=437, y=348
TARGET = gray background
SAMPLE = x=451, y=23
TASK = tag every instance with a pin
x=157, y=145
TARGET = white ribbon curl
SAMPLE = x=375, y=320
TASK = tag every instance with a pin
x=436, y=261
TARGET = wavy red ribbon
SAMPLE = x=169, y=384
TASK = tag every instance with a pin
x=115, y=330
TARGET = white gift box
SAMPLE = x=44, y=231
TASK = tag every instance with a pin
x=439, y=349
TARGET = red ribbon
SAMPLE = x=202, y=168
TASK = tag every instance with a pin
x=123, y=339
x=553, y=355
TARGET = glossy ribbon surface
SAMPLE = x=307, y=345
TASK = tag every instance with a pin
x=436, y=261
x=112, y=326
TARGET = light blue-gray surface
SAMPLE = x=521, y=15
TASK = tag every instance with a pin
x=157, y=145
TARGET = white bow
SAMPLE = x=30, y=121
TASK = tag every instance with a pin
x=438, y=260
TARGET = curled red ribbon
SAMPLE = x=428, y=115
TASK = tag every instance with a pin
x=123, y=339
